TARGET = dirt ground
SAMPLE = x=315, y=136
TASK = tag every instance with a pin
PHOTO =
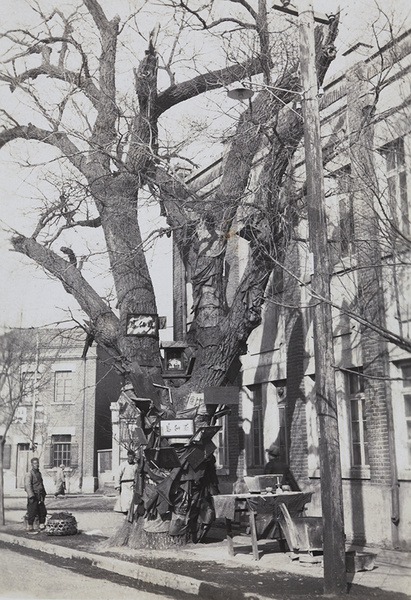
x=237, y=581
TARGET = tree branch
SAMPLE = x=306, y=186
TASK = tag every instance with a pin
x=105, y=323
x=247, y=6
x=94, y=223
x=53, y=138
x=390, y=336
x=104, y=132
x=143, y=139
x=205, y=82
x=232, y=20
x=97, y=14
x=194, y=13
x=205, y=25
x=39, y=44
x=324, y=48
x=83, y=83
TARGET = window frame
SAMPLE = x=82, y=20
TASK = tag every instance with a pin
x=256, y=454
x=7, y=450
x=397, y=365
x=394, y=154
x=283, y=428
x=356, y=395
x=341, y=199
x=61, y=450
x=345, y=210
x=67, y=396
x=221, y=441
x=29, y=384
x=406, y=391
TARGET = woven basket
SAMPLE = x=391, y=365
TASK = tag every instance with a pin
x=61, y=524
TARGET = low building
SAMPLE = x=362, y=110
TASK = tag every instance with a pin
x=63, y=413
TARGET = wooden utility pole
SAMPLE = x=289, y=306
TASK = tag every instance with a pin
x=326, y=402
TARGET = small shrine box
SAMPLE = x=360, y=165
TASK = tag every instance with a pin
x=176, y=361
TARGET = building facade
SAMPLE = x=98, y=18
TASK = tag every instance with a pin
x=63, y=414
x=366, y=132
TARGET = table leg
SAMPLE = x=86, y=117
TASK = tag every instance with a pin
x=230, y=544
x=282, y=540
x=253, y=530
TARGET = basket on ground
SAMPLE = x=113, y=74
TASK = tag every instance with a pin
x=61, y=524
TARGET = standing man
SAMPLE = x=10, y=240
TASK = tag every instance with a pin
x=125, y=483
x=60, y=482
x=276, y=466
x=36, y=494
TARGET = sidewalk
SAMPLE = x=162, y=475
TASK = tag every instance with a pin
x=204, y=570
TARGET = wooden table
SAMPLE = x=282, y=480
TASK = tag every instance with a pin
x=226, y=506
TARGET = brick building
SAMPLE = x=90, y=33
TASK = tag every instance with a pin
x=368, y=191
x=69, y=396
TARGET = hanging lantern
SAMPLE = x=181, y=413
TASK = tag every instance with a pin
x=240, y=93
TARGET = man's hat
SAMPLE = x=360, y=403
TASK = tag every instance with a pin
x=274, y=449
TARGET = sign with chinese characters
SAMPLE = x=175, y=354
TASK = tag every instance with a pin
x=176, y=427
x=142, y=325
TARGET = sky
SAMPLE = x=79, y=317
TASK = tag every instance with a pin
x=28, y=296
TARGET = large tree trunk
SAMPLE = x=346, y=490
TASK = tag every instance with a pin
x=116, y=197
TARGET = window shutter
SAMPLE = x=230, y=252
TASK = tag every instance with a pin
x=7, y=456
x=48, y=456
x=74, y=456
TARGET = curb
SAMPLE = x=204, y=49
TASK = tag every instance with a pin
x=177, y=583
x=388, y=557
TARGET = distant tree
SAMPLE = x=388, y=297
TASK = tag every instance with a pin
x=20, y=381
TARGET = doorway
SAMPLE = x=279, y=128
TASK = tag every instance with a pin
x=23, y=461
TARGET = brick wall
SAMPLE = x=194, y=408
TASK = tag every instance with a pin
x=296, y=400
x=370, y=287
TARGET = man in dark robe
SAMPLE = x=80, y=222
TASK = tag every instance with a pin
x=276, y=466
x=36, y=494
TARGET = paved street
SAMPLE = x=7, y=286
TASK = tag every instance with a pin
x=193, y=569
x=28, y=578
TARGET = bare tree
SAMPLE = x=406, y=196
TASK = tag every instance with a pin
x=69, y=70
x=20, y=381
x=116, y=152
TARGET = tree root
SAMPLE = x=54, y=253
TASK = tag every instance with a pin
x=133, y=536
